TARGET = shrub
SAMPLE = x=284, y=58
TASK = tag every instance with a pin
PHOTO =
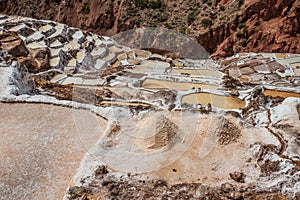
x=85, y=8
x=206, y=22
x=161, y=17
x=222, y=8
x=192, y=16
x=156, y=4
x=168, y=26
x=142, y=3
x=239, y=34
x=152, y=24
x=242, y=25
x=182, y=30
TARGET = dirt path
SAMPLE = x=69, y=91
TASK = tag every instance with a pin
x=41, y=147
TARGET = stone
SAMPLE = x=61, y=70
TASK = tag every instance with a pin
x=20, y=79
x=42, y=56
x=11, y=42
x=37, y=61
x=101, y=170
x=238, y=177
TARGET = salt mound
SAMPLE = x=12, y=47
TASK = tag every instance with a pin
x=227, y=132
x=166, y=131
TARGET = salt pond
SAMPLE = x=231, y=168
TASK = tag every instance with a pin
x=161, y=84
x=197, y=72
x=275, y=93
x=219, y=101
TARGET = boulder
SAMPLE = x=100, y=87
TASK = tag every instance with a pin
x=42, y=57
x=11, y=42
x=37, y=61
x=19, y=80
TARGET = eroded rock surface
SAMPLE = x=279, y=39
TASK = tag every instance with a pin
x=221, y=27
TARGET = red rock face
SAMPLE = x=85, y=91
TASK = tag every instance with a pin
x=250, y=25
x=264, y=26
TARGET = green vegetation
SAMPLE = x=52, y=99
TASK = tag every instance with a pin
x=153, y=4
x=182, y=30
x=222, y=8
x=192, y=16
x=142, y=3
x=243, y=28
x=168, y=26
x=239, y=34
x=206, y=22
x=156, y=4
x=85, y=8
x=161, y=17
x=208, y=2
x=152, y=24
x=243, y=25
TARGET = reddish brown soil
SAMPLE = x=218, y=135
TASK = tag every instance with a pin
x=222, y=28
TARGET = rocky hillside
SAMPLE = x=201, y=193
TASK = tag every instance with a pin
x=222, y=27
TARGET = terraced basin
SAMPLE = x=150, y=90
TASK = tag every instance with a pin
x=275, y=93
x=219, y=101
x=161, y=84
x=197, y=72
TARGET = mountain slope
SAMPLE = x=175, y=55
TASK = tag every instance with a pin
x=222, y=27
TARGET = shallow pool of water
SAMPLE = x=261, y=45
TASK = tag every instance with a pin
x=197, y=72
x=283, y=94
x=160, y=84
x=223, y=102
x=281, y=55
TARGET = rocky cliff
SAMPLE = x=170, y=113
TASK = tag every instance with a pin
x=222, y=27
